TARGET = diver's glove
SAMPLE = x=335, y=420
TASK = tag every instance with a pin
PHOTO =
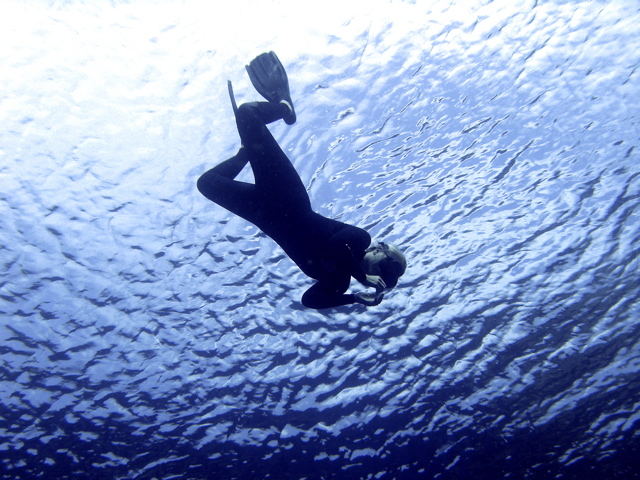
x=369, y=299
x=376, y=282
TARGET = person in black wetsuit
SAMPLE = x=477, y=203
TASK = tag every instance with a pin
x=329, y=251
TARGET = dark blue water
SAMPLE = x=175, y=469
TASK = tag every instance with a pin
x=147, y=334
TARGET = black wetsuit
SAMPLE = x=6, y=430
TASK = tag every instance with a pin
x=277, y=203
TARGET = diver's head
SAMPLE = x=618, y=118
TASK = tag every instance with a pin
x=386, y=261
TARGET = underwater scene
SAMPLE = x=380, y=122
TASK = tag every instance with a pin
x=148, y=333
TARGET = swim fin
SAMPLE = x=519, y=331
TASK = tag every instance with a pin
x=269, y=78
x=232, y=97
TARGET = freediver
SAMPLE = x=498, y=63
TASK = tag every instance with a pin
x=329, y=251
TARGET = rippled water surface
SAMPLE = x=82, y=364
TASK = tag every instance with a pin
x=148, y=334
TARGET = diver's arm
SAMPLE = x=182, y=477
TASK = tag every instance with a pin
x=374, y=281
x=356, y=249
x=369, y=299
x=349, y=245
x=322, y=295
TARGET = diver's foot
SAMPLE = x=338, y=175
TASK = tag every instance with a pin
x=290, y=115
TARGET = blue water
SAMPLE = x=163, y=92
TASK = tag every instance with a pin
x=147, y=334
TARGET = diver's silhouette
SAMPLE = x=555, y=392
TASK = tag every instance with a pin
x=326, y=250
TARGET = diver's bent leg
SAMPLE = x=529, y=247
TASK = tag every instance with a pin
x=219, y=186
x=274, y=174
x=252, y=117
x=231, y=167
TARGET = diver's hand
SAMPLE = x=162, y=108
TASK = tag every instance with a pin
x=369, y=299
x=376, y=282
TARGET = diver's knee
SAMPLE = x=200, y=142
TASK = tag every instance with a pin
x=204, y=183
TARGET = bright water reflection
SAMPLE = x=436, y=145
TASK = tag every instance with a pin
x=147, y=334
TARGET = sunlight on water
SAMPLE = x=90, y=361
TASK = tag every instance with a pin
x=149, y=334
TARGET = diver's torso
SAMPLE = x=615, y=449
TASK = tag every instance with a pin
x=306, y=239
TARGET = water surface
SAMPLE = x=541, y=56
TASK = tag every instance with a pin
x=148, y=334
